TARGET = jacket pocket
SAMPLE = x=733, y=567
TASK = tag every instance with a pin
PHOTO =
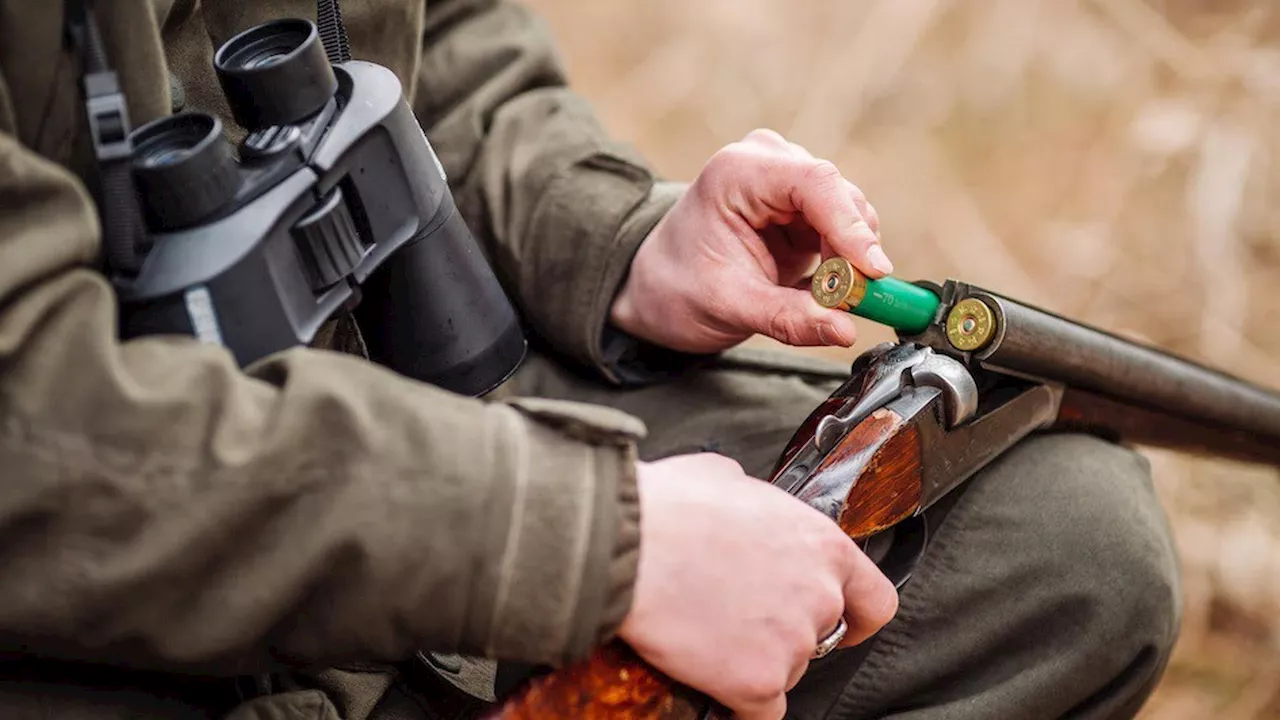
x=295, y=705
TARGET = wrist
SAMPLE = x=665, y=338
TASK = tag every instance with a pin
x=624, y=314
x=630, y=310
x=635, y=611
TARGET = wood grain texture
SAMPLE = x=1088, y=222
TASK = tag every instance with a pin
x=614, y=684
x=881, y=456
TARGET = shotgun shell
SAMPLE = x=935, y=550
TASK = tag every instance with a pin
x=899, y=304
x=970, y=325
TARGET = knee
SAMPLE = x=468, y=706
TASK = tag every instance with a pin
x=1094, y=546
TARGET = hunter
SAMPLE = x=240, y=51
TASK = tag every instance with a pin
x=180, y=538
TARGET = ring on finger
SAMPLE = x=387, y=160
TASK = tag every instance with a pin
x=833, y=639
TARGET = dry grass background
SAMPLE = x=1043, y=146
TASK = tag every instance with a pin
x=1115, y=160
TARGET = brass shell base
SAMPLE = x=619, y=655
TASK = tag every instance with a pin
x=836, y=284
x=970, y=325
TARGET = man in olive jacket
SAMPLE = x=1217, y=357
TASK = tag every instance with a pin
x=169, y=523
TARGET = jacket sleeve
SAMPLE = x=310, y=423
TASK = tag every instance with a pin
x=561, y=206
x=161, y=508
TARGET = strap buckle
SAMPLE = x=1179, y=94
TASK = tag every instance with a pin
x=108, y=116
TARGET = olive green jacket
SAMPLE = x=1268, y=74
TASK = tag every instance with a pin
x=162, y=509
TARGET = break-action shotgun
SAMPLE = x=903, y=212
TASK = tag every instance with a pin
x=973, y=373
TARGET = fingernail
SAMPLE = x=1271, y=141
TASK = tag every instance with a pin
x=878, y=260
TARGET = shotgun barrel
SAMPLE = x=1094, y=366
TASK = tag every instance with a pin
x=997, y=333
x=1031, y=342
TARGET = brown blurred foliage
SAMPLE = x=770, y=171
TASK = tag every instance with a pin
x=1113, y=160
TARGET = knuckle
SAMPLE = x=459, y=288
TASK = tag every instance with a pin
x=832, y=603
x=823, y=172
x=886, y=608
x=729, y=156
x=783, y=327
x=762, y=686
x=836, y=547
x=800, y=150
x=729, y=464
x=767, y=136
x=721, y=168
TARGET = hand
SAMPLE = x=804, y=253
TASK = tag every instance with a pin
x=732, y=257
x=738, y=583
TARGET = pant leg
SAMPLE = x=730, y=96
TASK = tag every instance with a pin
x=1049, y=589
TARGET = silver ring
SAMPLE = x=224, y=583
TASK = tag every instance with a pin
x=830, y=642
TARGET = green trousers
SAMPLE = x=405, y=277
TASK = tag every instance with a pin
x=1049, y=588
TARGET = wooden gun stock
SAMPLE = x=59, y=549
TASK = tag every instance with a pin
x=877, y=468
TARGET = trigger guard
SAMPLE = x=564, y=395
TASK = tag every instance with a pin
x=897, y=550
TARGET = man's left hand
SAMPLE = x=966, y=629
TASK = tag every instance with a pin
x=733, y=256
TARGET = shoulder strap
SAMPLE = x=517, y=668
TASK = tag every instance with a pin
x=332, y=32
x=108, y=115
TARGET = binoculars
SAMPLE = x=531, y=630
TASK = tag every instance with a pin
x=333, y=200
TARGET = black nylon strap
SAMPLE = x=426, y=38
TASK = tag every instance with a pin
x=108, y=115
x=332, y=32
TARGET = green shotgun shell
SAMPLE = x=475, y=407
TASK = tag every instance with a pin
x=889, y=301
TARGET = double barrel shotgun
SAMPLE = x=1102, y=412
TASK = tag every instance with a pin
x=972, y=373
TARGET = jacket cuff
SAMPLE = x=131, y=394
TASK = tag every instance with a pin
x=621, y=358
x=558, y=575
x=623, y=560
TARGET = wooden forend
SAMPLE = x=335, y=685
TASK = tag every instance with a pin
x=882, y=458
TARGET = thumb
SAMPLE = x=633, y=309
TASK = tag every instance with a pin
x=791, y=316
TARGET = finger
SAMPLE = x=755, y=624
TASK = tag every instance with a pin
x=796, y=674
x=816, y=190
x=790, y=316
x=775, y=708
x=800, y=150
x=864, y=208
x=870, y=599
x=768, y=138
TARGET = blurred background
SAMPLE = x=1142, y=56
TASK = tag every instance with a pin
x=1113, y=160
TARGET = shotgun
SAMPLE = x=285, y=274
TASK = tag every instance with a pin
x=972, y=373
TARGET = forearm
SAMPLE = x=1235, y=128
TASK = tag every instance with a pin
x=164, y=509
x=560, y=205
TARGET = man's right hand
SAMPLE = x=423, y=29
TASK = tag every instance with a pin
x=738, y=583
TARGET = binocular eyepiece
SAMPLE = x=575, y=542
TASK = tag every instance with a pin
x=335, y=199
x=184, y=169
x=275, y=74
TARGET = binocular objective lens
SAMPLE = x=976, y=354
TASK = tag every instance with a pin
x=276, y=73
